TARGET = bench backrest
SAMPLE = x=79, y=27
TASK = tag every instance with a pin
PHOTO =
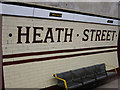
x=100, y=69
x=78, y=73
x=65, y=75
x=90, y=72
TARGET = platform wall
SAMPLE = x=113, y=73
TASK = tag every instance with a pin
x=29, y=64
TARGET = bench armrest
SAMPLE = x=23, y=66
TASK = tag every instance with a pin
x=112, y=66
x=65, y=83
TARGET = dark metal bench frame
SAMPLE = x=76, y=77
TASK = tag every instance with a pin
x=83, y=76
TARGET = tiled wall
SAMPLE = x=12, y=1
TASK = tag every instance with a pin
x=1, y=79
x=10, y=45
x=40, y=74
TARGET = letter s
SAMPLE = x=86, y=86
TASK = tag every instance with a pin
x=86, y=35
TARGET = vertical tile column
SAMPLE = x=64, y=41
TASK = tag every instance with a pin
x=1, y=66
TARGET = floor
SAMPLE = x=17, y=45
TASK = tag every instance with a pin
x=113, y=84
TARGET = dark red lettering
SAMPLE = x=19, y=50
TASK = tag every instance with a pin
x=59, y=33
x=23, y=34
x=66, y=35
x=92, y=34
x=103, y=35
x=108, y=35
x=86, y=31
x=49, y=32
x=113, y=35
x=37, y=34
x=98, y=33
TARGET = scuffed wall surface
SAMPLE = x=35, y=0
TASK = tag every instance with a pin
x=101, y=8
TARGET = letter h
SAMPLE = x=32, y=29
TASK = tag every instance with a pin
x=23, y=34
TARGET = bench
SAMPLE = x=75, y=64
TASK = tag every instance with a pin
x=83, y=76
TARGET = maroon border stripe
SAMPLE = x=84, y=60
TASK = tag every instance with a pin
x=51, y=52
x=54, y=57
x=118, y=52
x=119, y=48
x=1, y=59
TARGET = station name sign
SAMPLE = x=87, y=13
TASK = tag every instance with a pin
x=66, y=33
